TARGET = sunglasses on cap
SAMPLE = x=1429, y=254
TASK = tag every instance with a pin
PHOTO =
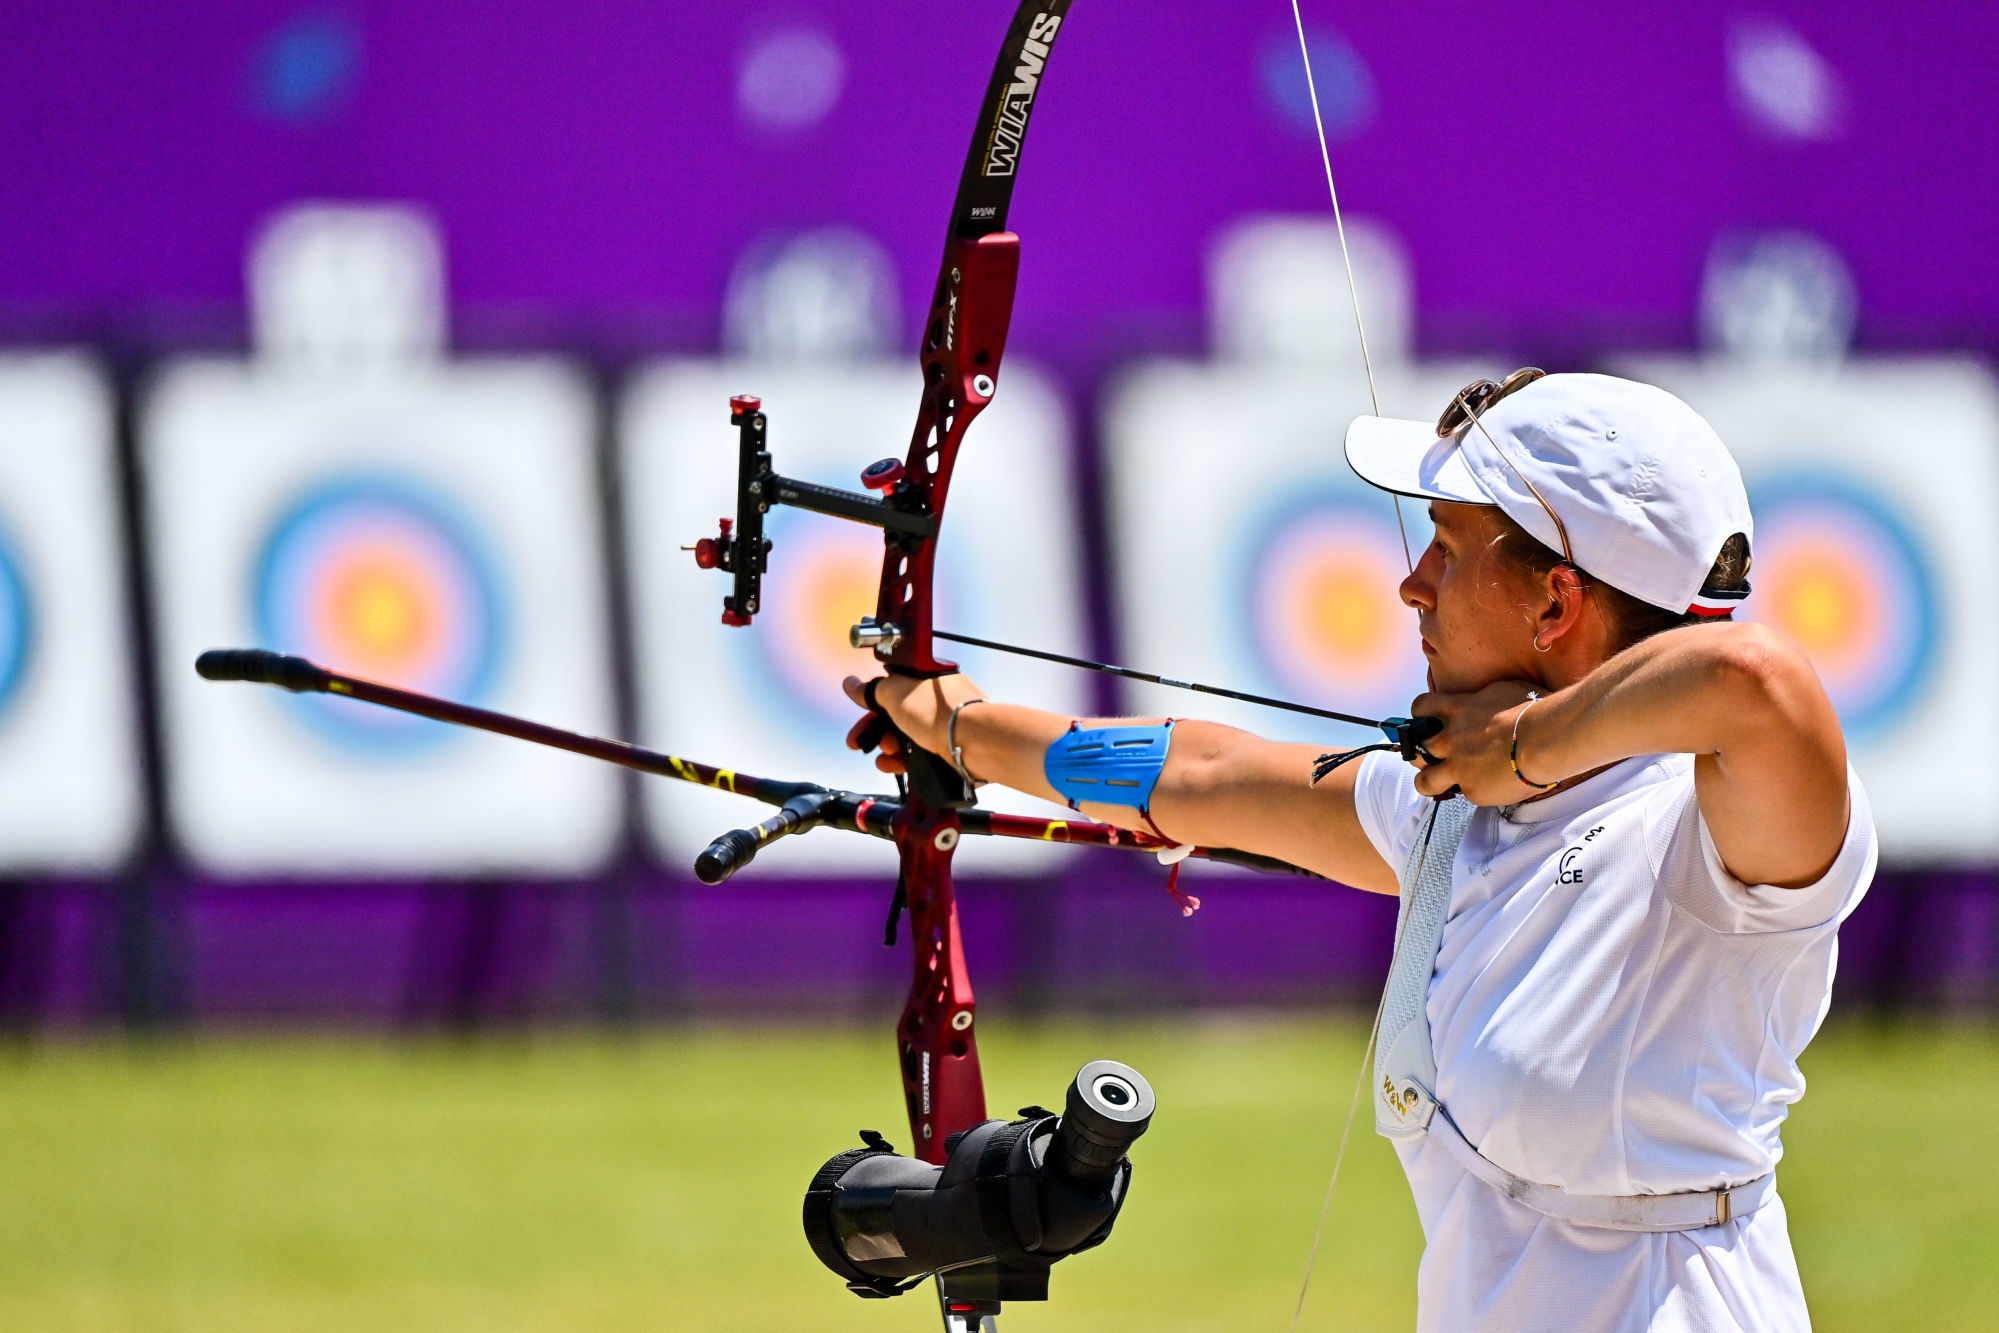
x=1474, y=398
x=1471, y=403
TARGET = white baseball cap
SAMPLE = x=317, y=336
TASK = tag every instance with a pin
x=1633, y=485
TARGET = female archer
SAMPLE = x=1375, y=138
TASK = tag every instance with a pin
x=1622, y=861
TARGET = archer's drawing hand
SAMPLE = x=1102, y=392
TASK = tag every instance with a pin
x=917, y=707
x=1473, y=751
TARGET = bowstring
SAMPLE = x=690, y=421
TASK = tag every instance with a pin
x=1366, y=1060
x=1374, y=398
x=1332, y=1183
x=1346, y=254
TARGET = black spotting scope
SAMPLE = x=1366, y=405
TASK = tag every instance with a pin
x=1012, y=1198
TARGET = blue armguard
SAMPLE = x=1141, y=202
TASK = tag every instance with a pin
x=1109, y=765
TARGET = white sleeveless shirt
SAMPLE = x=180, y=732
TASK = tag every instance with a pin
x=1612, y=1013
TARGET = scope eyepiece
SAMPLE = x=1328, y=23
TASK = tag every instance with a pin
x=1109, y=1105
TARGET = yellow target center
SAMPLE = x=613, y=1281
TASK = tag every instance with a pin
x=1818, y=609
x=836, y=591
x=1346, y=614
x=381, y=613
x=1822, y=596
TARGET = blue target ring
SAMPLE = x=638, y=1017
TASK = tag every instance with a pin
x=17, y=625
x=383, y=577
x=1841, y=571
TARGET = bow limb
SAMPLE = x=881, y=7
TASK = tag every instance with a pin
x=964, y=338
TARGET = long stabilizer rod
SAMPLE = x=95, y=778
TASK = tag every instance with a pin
x=300, y=676
x=801, y=805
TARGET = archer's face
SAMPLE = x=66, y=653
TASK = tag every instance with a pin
x=1473, y=607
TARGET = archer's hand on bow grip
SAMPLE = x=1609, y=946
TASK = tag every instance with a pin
x=931, y=777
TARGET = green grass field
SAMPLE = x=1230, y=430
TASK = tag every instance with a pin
x=581, y=1183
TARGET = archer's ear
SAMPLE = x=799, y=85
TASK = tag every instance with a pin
x=1571, y=590
x=1563, y=609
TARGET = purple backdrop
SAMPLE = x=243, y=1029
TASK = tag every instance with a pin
x=1558, y=170
x=1559, y=173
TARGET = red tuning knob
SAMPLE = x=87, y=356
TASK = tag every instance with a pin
x=882, y=476
x=743, y=404
x=712, y=552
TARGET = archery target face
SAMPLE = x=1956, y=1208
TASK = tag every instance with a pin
x=69, y=771
x=1838, y=571
x=1250, y=556
x=381, y=576
x=432, y=527
x=1323, y=619
x=1872, y=484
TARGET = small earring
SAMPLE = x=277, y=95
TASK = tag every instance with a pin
x=1540, y=647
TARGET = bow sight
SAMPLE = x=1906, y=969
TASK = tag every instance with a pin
x=740, y=547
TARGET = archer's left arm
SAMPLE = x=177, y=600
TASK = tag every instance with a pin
x=1769, y=759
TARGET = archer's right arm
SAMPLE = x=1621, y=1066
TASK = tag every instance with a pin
x=1221, y=787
